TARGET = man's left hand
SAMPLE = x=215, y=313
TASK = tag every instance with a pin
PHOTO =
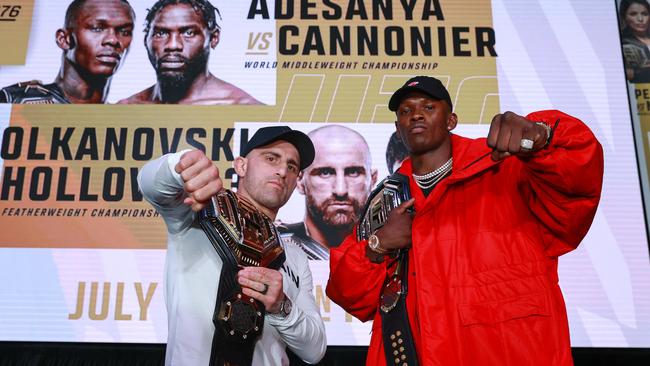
x=507, y=132
x=263, y=284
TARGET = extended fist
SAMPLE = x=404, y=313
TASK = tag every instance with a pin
x=200, y=178
x=507, y=131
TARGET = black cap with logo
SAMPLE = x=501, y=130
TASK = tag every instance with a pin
x=268, y=135
x=420, y=84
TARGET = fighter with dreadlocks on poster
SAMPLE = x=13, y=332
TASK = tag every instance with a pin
x=179, y=35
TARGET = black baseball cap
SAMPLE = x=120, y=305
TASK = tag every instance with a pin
x=422, y=84
x=267, y=135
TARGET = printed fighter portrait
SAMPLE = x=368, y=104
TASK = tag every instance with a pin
x=94, y=40
x=335, y=188
x=179, y=35
x=196, y=52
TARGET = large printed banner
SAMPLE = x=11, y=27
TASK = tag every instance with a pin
x=69, y=200
x=82, y=254
x=634, y=22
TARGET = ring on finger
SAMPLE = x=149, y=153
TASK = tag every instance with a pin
x=266, y=288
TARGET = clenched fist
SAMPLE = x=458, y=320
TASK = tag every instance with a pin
x=506, y=132
x=200, y=178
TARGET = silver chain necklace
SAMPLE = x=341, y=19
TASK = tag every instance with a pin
x=432, y=178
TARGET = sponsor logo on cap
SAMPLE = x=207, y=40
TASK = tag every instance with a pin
x=413, y=83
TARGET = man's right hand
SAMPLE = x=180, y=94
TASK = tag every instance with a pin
x=200, y=178
x=396, y=232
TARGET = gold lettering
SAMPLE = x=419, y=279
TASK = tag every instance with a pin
x=323, y=300
x=119, y=302
x=92, y=305
x=81, y=290
x=143, y=301
x=348, y=317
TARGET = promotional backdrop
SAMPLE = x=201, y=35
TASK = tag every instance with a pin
x=82, y=255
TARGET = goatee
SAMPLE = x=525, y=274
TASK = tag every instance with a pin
x=174, y=85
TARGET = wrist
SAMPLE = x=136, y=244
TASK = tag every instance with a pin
x=373, y=256
x=547, y=134
x=285, y=308
x=374, y=243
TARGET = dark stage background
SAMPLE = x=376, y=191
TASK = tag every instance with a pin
x=98, y=354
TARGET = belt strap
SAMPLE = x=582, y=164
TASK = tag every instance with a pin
x=225, y=351
x=233, y=311
x=399, y=346
x=242, y=236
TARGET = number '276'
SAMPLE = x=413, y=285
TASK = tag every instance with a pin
x=10, y=11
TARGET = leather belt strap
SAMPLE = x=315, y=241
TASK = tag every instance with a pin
x=224, y=350
x=242, y=236
x=399, y=346
x=396, y=331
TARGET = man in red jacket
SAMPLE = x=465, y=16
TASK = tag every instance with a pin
x=491, y=218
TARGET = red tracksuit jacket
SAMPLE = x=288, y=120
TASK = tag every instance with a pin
x=483, y=283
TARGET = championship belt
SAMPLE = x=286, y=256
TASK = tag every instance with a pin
x=242, y=236
x=399, y=347
x=297, y=235
x=33, y=92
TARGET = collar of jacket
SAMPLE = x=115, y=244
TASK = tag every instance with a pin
x=471, y=157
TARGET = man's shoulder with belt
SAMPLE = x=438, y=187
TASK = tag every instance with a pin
x=296, y=234
x=33, y=92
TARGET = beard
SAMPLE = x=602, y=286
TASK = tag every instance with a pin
x=174, y=85
x=335, y=219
